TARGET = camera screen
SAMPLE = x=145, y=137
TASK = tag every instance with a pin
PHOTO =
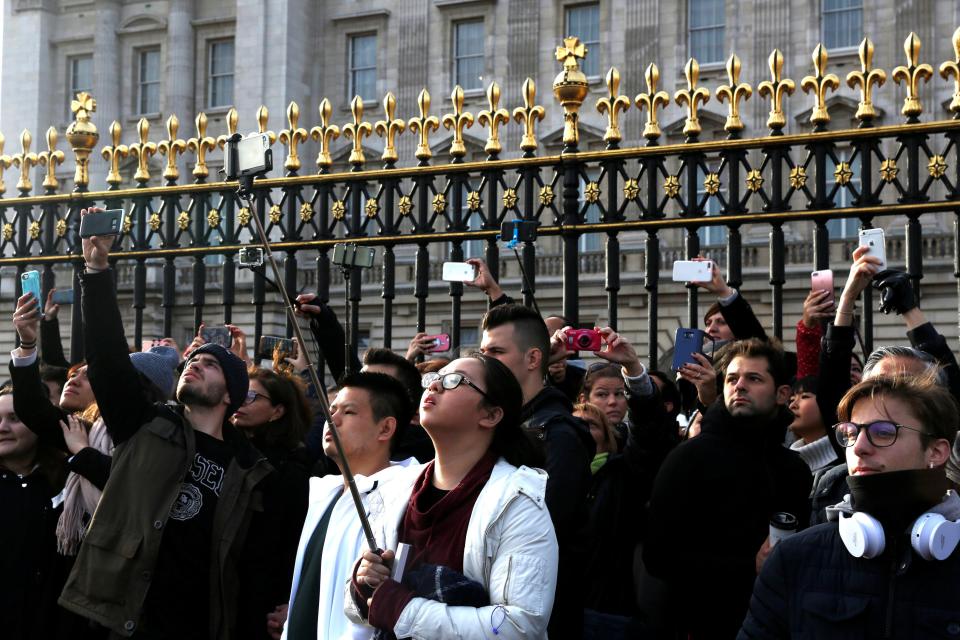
x=250, y=152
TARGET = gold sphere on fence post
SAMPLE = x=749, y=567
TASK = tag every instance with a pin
x=570, y=88
x=83, y=137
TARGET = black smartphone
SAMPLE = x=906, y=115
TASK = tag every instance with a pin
x=269, y=344
x=519, y=230
x=62, y=296
x=687, y=343
x=101, y=223
x=217, y=335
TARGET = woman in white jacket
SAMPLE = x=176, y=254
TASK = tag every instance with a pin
x=476, y=512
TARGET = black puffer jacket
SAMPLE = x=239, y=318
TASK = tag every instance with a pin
x=709, y=515
x=811, y=587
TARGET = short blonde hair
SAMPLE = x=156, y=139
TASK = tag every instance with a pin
x=590, y=410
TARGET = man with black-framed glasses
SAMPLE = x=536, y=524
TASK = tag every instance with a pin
x=886, y=564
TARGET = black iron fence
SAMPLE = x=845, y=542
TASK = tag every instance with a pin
x=910, y=169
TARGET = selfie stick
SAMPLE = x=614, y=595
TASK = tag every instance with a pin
x=512, y=244
x=245, y=192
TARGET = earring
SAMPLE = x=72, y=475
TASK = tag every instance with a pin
x=932, y=465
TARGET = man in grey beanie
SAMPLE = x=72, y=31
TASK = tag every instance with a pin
x=172, y=548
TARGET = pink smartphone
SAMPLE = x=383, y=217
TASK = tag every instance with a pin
x=822, y=280
x=441, y=342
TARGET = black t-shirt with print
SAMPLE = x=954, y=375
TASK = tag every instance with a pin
x=178, y=601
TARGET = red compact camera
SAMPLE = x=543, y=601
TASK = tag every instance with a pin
x=583, y=340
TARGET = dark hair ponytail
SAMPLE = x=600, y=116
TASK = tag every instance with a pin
x=510, y=441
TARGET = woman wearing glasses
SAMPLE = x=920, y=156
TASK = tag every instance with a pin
x=483, y=556
x=886, y=563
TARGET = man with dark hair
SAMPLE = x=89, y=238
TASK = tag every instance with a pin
x=517, y=336
x=714, y=495
x=179, y=546
x=412, y=440
x=370, y=411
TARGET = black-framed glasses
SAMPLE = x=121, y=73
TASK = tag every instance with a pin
x=252, y=396
x=450, y=381
x=880, y=433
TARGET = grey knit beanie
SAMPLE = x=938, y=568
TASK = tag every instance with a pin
x=158, y=365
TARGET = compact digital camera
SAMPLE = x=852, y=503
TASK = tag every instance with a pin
x=250, y=257
x=583, y=340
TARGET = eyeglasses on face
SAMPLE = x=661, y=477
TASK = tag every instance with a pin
x=450, y=381
x=252, y=396
x=880, y=433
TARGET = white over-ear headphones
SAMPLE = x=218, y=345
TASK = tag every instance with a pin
x=932, y=536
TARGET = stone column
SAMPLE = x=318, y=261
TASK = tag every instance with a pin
x=180, y=66
x=107, y=68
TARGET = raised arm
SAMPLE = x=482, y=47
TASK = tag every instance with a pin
x=115, y=382
x=51, y=346
x=735, y=309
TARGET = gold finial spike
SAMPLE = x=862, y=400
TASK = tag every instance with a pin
x=819, y=84
x=458, y=121
x=613, y=104
x=776, y=88
x=733, y=93
x=172, y=147
x=200, y=145
x=325, y=133
x=114, y=153
x=262, y=115
x=143, y=150
x=952, y=67
x=912, y=73
x=570, y=87
x=866, y=78
x=492, y=118
x=389, y=128
x=292, y=136
x=528, y=115
x=423, y=125
x=692, y=95
x=356, y=130
x=83, y=137
x=5, y=162
x=233, y=121
x=651, y=100
x=26, y=161
x=49, y=159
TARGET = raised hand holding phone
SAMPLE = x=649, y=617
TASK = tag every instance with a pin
x=96, y=249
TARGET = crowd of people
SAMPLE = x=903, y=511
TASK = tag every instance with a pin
x=515, y=492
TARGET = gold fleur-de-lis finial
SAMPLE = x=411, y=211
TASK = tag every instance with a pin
x=200, y=145
x=423, y=125
x=613, y=104
x=651, y=100
x=171, y=148
x=233, y=121
x=458, y=121
x=325, y=133
x=82, y=136
x=867, y=77
x=952, y=67
x=819, y=84
x=49, y=159
x=114, y=153
x=292, y=136
x=5, y=162
x=911, y=74
x=356, y=130
x=492, y=118
x=692, y=95
x=733, y=93
x=776, y=88
x=528, y=115
x=26, y=161
x=389, y=128
x=143, y=150
x=263, y=114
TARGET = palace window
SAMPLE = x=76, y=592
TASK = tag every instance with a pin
x=583, y=21
x=148, y=81
x=363, y=67
x=468, y=54
x=79, y=78
x=842, y=23
x=220, y=73
x=706, y=21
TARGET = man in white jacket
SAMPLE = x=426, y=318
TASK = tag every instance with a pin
x=370, y=411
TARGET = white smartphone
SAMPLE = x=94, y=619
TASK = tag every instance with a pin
x=693, y=271
x=874, y=240
x=459, y=272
